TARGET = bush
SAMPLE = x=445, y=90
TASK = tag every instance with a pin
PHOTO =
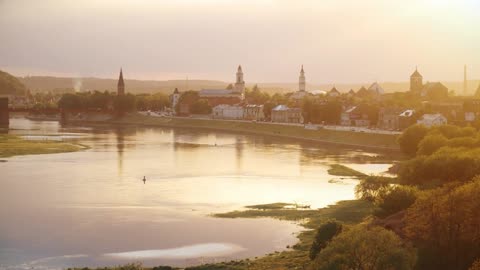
x=395, y=200
x=371, y=187
x=324, y=234
x=363, y=247
x=410, y=139
x=431, y=143
x=445, y=165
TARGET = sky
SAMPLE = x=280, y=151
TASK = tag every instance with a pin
x=337, y=41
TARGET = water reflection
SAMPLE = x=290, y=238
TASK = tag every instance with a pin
x=92, y=203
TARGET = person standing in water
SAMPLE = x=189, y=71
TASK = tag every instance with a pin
x=144, y=179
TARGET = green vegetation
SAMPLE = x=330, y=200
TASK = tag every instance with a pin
x=443, y=154
x=341, y=170
x=9, y=85
x=371, y=187
x=13, y=145
x=270, y=206
x=325, y=234
x=395, y=199
x=366, y=247
x=348, y=212
x=444, y=224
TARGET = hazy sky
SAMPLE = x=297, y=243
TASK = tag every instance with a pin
x=338, y=41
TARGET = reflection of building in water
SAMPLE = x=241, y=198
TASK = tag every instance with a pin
x=239, y=152
x=120, y=137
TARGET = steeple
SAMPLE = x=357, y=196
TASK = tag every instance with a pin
x=416, y=81
x=239, y=83
x=121, y=84
x=301, y=80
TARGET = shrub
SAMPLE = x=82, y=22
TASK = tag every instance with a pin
x=324, y=234
x=363, y=247
x=371, y=187
x=395, y=200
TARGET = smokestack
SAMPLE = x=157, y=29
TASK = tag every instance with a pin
x=465, y=79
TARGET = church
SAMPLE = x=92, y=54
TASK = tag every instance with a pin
x=226, y=96
x=430, y=90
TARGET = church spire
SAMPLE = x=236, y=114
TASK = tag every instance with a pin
x=121, y=84
x=301, y=80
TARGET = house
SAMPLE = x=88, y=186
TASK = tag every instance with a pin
x=226, y=111
x=333, y=92
x=471, y=109
x=356, y=116
x=406, y=119
x=253, y=112
x=345, y=119
x=430, y=120
x=388, y=118
x=284, y=114
x=363, y=93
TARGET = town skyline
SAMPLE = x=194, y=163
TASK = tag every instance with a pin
x=94, y=39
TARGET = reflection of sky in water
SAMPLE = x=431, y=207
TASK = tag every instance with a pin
x=94, y=202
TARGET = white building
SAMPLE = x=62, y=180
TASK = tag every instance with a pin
x=301, y=93
x=225, y=111
x=430, y=120
x=254, y=112
x=175, y=97
x=284, y=114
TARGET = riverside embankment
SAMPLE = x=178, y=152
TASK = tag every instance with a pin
x=377, y=141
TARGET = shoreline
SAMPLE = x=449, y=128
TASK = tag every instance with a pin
x=374, y=141
x=12, y=146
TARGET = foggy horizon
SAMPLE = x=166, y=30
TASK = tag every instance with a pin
x=337, y=42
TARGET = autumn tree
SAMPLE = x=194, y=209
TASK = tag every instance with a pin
x=445, y=225
x=365, y=247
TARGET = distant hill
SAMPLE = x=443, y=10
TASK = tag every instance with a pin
x=46, y=83
x=10, y=85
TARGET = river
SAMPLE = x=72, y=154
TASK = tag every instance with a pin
x=90, y=208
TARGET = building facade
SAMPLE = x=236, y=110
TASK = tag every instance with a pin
x=430, y=120
x=254, y=112
x=225, y=111
x=284, y=114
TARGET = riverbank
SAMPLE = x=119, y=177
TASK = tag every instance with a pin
x=297, y=256
x=385, y=142
x=11, y=145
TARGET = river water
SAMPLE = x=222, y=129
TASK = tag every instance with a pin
x=90, y=208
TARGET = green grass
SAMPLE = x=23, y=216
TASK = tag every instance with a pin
x=349, y=212
x=11, y=145
x=347, y=138
x=341, y=170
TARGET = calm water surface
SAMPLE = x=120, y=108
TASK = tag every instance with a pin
x=90, y=208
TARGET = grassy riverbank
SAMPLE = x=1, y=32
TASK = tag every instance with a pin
x=347, y=138
x=341, y=170
x=11, y=145
x=349, y=212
